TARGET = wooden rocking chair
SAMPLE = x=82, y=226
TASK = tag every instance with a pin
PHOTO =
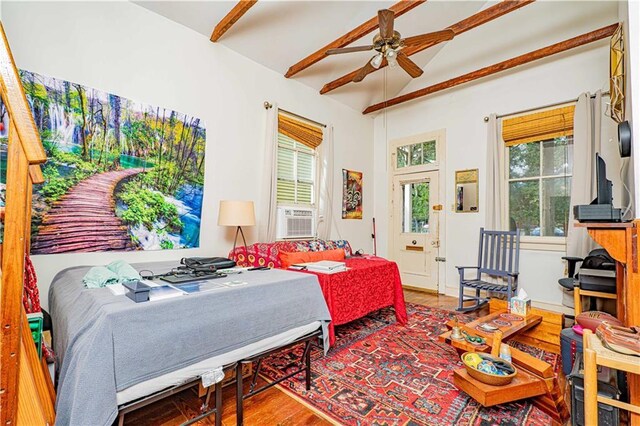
x=498, y=257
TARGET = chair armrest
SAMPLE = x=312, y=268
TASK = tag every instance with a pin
x=466, y=267
x=572, y=262
x=572, y=258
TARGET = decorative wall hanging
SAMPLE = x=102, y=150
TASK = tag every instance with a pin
x=616, y=82
x=120, y=175
x=351, y=194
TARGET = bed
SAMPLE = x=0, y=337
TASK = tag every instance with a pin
x=370, y=283
x=111, y=351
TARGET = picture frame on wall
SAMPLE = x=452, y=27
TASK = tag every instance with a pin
x=351, y=194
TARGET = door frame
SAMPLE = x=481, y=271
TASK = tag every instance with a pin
x=439, y=166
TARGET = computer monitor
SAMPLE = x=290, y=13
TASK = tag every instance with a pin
x=604, y=186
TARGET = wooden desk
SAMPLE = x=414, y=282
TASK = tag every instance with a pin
x=621, y=242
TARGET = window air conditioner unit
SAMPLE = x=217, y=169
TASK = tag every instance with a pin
x=295, y=222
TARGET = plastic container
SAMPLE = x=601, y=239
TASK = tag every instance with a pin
x=570, y=344
x=505, y=352
x=137, y=291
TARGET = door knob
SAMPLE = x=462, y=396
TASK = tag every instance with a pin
x=414, y=242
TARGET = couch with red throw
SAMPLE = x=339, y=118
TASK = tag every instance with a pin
x=268, y=254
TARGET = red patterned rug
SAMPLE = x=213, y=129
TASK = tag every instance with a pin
x=381, y=373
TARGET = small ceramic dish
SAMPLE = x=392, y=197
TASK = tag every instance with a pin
x=511, y=317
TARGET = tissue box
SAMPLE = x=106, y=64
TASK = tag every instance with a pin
x=520, y=306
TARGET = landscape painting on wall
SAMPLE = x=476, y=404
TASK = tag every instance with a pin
x=351, y=194
x=120, y=175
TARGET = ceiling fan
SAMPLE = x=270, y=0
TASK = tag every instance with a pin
x=388, y=43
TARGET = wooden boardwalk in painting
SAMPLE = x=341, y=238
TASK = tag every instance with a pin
x=84, y=219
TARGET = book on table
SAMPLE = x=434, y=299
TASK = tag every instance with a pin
x=323, y=266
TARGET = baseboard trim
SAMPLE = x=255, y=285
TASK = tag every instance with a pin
x=554, y=307
x=420, y=289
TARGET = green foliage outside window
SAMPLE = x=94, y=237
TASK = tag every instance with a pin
x=540, y=186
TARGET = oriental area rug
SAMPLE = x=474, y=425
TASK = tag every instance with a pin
x=381, y=373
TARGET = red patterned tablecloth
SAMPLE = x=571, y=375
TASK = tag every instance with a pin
x=368, y=285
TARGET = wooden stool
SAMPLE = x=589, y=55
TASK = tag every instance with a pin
x=596, y=354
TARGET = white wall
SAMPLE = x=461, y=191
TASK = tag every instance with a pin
x=124, y=49
x=460, y=111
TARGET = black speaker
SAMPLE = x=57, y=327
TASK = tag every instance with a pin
x=624, y=139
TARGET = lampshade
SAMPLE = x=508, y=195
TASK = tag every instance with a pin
x=236, y=213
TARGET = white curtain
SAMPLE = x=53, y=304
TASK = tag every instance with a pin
x=496, y=198
x=586, y=142
x=268, y=199
x=325, y=202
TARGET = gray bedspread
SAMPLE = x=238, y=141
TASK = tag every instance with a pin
x=106, y=343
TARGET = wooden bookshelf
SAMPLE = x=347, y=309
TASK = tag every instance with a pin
x=621, y=241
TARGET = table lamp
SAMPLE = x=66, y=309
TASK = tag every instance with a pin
x=237, y=213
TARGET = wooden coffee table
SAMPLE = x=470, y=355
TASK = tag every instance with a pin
x=508, y=331
x=534, y=379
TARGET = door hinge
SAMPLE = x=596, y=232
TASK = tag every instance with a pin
x=440, y=259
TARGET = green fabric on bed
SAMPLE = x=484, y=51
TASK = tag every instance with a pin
x=124, y=271
x=99, y=276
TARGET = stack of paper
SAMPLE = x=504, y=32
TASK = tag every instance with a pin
x=323, y=266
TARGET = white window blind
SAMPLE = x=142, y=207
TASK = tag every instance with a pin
x=296, y=172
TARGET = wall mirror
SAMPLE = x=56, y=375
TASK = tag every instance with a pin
x=466, y=191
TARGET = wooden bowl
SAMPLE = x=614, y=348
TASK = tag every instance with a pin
x=490, y=379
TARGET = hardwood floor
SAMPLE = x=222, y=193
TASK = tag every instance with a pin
x=271, y=407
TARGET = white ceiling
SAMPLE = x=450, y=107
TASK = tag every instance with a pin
x=277, y=34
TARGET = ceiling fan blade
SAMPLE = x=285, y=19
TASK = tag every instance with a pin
x=408, y=65
x=349, y=49
x=429, y=38
x=368, y=68
x=385, y=22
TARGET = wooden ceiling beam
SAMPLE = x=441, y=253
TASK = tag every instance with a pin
x=231, y=18
x=467, y=24
x=398, y=9
x=544, y=52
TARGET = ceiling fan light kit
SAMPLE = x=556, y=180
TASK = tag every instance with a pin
x=376, y=61
x=389, y=43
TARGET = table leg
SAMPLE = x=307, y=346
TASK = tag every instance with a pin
x=218, y=403
x=239, y=395
x=590, y=388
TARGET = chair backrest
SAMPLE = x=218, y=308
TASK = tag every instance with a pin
x=498, y=252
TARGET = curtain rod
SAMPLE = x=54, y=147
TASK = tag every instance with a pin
x=268, y=105
x=486, y=119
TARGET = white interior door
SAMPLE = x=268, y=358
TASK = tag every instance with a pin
x=415, y=228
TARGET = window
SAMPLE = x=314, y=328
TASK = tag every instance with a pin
x=415, y=207
x=416, y=154
x=297, y=161
x=539, y=162
x=296, y=172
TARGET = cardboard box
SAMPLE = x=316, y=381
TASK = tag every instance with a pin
x=520, y=306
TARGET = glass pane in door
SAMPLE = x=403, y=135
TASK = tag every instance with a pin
x=415, y=207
